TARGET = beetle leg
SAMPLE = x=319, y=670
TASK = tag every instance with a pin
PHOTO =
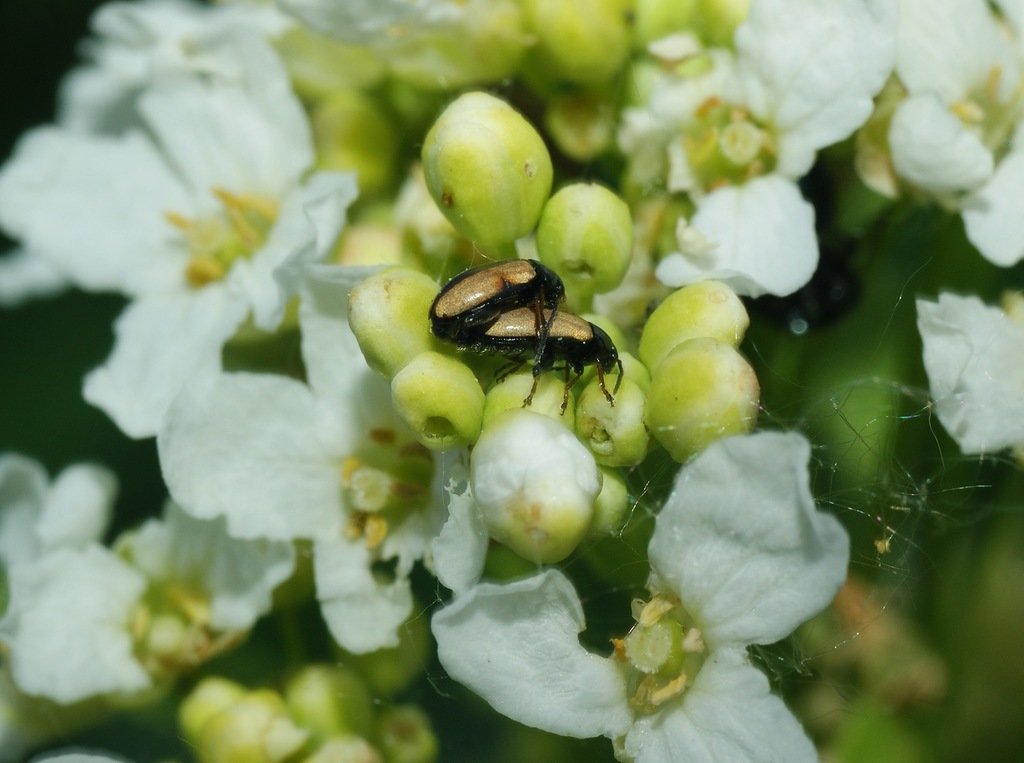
x=507, y=370
x=543, y=326
x=604, y=389
x=618, y=379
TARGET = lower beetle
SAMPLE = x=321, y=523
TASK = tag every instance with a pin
x=571, y=339
x=475, y=298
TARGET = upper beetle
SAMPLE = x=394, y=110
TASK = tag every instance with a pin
x=475, y=298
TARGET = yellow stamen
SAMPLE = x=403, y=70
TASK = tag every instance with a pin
x=671, y=690
x=656, y=609
x=375, y=530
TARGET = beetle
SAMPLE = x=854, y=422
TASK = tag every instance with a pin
x=571, y=339
x=475, y=298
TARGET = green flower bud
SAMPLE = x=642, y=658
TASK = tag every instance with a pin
x=611, y=507
x=718, y=19
x=346, y=749
x=211, y=696
x=329, y=700
x=582, y=125
x=319, y=65
x=390, y=671
x=366, y=243
x=534, y=484
x=487, y=169
x=513, y=389
x=581, y=41
x=352, y=133
x=704, y=309
x=701, y=391
x=486, y=46
x=615, y=434
x=405, y=735
x=255, y=729
x=654, y=19
x=388, y=313
x=441, y=400
x=585, y=234
x=427, y=231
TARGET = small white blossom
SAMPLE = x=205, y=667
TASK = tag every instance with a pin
x=330, y=461
x=37, y=516
x=974, y=356
x=803, y=77
x=203, y=219
x=741, y=549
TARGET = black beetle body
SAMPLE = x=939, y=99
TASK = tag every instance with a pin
x=475, y=298
x=571, y=339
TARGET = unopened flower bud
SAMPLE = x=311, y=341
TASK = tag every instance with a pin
x=255, y=729
x=320, y=65
x=654, y=19
x=210, y=696
x=329, y=700
x=345, y=749
x=366, y=244
x=582, y=125
x=612, y=504
x=701, y=391
x=509, y=394
x=487, y=169
x=615, y=434
x=581, y=41
x=704, y=309
x=352, y=133
x=406, y=736
x=535, y=484
x=717, y=19
x=390, y=671
x=388, y=314
x=585, y=234
x=441, y=400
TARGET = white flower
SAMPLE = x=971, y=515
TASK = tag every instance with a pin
x=78, y=757
x=25, y=276
x=954, y=134
x=374, y=22
x=738, y=137
x=739, y=556
x=202, y=219
x=37, y=517
x=974, y=356
x=68, y=625
x=233, y=578
x=330, y=461
x=135, y=43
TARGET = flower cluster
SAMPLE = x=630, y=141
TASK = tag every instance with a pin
x=280, y=191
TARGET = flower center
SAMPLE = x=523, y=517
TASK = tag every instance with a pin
x=663, y=651
x=385, y=482
x=990, y=112
x=725, y=145
x=215, y=242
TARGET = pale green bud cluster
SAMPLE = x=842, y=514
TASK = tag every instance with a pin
x=701, y=387
x=324, y=715
x=584, y=42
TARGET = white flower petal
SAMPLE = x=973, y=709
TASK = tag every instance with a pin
x=239, y=576
x=728, y=714
x=933, y=149
x=78, y=508
x=114, y=240
x=246, y=133
x=812, y=68
x=517, y=646
x=249, y=448
x=740, y=541
x=36, y=517
x=67, y=626
x=992, y=215
x=161, y=342
x=78, y=757
x=459, y=551
x=764, y=231
x=974, y=356
x=362, y=613
x=949, y=47
x=373, y=21
x=27, y=275
x=308, y=224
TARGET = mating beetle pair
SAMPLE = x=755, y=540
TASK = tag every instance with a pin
x=511, y=308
